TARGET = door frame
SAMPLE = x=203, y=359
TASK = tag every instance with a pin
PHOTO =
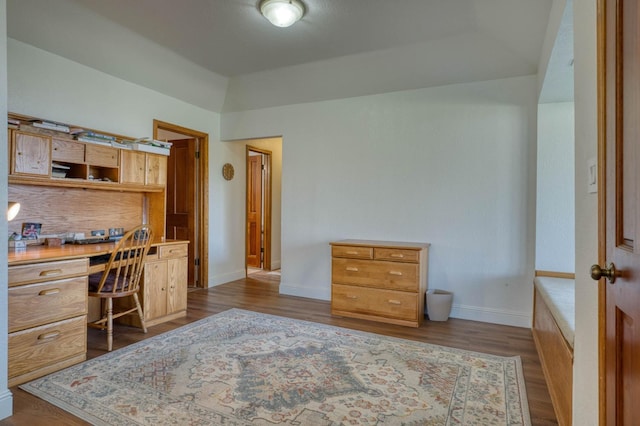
x=602, y=218
x=266, y=260
x=202, y=207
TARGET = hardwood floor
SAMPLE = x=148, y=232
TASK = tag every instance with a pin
x=261, y=295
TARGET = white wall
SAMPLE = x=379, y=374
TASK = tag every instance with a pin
x=585, y=362
x=555, y=212
x=6, y=400
x=48, y=86
x=453, y=166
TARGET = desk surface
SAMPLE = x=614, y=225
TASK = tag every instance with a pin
x=37, y=254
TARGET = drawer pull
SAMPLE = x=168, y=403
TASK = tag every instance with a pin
x=398, y=255
x=49, y=292
x=398, y=273
x=352, y=252
x=394, y=302
x=50, y=272
x=49, y=336
x=352, y=269
x=352, y=297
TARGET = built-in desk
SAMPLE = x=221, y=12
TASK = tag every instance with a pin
x=48, y=301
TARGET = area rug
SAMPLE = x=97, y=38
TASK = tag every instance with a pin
x=246, y=368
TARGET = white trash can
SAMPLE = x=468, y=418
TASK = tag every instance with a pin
x=439, y=304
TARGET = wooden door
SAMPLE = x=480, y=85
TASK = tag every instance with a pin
x=181, y=203
x=620, y=67
x=254, y=211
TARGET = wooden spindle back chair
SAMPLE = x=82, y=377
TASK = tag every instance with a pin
x=121, y=278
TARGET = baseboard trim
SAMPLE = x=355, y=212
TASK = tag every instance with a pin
x=228, y=277
x=490, y=315
x=6, y=404
x=312, y=293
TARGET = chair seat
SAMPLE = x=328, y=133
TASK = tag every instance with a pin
x=94, y=283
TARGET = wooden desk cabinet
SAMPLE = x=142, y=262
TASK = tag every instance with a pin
x=163, y=291
x=379, y=280
x=47, y=318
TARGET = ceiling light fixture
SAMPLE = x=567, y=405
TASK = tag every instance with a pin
x=282, y=13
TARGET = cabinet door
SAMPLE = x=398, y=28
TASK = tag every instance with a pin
x=156, y=170
x=31, y=154
x=132, y=167
x=155, y=289
x=177, y=285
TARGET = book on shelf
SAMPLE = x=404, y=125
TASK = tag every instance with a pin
x=90, y=139
x=50, y=125
x=120, y=145
x=59, y=166
x=136, y=146
x=90, y=134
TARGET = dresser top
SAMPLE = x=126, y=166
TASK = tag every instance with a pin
x=387, y=244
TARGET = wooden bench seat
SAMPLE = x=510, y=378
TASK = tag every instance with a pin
x=553, y=333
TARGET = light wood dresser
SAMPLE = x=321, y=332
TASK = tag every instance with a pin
x=47, y=318
x=379, y=280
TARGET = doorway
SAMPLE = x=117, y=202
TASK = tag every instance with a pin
x=258, y=209
x=186, y=195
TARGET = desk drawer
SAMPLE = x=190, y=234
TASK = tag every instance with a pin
x=352, y=252
x=47, y=271
x=67, y=151
x=396, y=255
x=172, y=251
x=36, y=304
x=367, y=273
x=103, y=156
x=368, y=301
x=37, y=347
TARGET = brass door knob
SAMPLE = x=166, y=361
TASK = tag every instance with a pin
x=609, y=272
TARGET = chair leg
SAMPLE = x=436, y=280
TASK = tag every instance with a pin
x=140, y=314
x=109, y=324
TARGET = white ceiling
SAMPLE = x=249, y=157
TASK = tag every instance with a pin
x=341, y=47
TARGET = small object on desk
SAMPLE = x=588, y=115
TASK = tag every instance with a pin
x=30, y=231
x=53, y=242
x=18, y=245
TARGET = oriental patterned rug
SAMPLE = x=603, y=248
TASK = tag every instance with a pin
x=246, y=368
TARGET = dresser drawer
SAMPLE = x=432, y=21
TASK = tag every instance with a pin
x=378, y=274
x=37, y=347
x=396, y=255
x=352, y=252
x=171, y=251
x=367, y=301
x=47, y=271
x=36, y=304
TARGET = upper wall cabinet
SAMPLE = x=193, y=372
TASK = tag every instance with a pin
x=142, y=168
x=52, y=158
x=31, y=155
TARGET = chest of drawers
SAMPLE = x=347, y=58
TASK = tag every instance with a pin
x=379, y=280
x=47, y=318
